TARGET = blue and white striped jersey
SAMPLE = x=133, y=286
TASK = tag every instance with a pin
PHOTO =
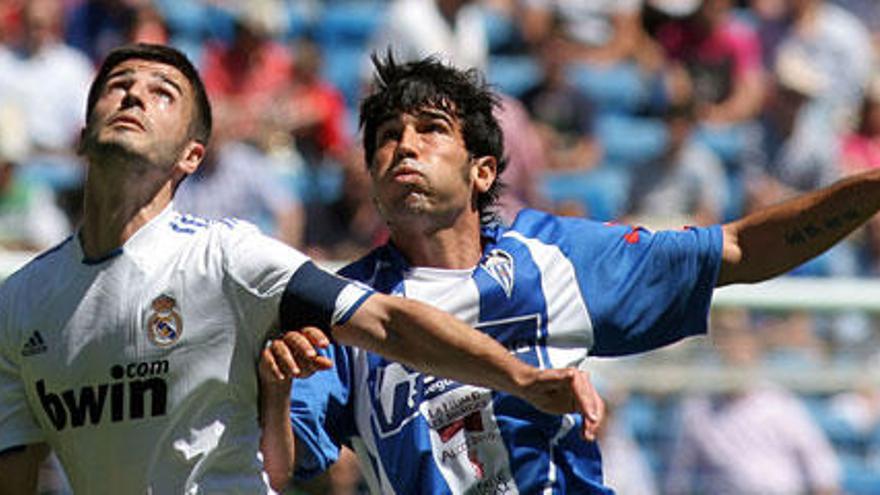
x=553, y=291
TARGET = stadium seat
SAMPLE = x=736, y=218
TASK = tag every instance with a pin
x=348, y=22
x=617, y=88
x=343, y=65
x=513, y=74
x=628, y=140
x=859, y=478
x=602, y=191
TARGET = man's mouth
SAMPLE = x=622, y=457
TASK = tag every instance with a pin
x=408, y=170
x=128, y=121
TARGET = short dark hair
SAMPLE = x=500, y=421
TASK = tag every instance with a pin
x=429, y=83
x=200, y=125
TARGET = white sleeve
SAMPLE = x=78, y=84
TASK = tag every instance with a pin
x=257, y=269
x=277, y=284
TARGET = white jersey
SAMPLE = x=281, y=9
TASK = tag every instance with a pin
x=139, y=369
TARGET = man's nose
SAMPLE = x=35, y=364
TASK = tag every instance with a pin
x=407, y=146
x=133, y=98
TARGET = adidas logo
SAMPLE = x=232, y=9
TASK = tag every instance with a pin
x=34, y=345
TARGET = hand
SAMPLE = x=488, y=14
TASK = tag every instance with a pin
x=561, y=391
x=294, y=355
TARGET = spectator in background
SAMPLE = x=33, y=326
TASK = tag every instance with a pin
x=839, y=45
x=787, y=152
x=755, y=438
x=624, y=466
x=45, y=80
x=861, y=151
x=722, y=55
x=687, y=185
x=868, y=12
x=597, y=32
x=527, y=160
x=96, y=26
x=246, y=78
x=313, y=110
x=236, y=180
x=771, y=21
x=611, y=56
x=562, y=114
x=348, y=226
x=29, y=218
x=861, y=148
x=451, y=29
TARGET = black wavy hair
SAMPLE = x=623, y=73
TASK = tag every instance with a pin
x=429, y=83
x=201, y=122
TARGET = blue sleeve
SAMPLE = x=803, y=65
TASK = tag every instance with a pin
x=322, y=416
x=646, y=290
x=643, y=290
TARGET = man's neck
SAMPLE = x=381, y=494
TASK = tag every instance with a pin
x=116, y=206
x=456, y=247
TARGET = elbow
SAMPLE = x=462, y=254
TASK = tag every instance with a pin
x=279, y=474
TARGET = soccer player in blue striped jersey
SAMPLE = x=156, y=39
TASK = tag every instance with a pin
x=553, y=290
x=131, y=348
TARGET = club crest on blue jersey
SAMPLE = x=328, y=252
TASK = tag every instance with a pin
x=398, y=393
x=499, y=265
x=165, y=325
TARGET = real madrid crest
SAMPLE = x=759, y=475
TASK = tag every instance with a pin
x=164, y=326
x=499, y=265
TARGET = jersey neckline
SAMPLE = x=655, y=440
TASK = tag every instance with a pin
x=131, y=245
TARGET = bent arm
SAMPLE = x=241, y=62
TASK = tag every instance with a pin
x=19, y=467
x=775, y=240
x=435, y=342
x=276, y=442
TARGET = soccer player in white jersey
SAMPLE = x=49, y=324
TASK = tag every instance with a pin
x=131, y=349
x=552, y=290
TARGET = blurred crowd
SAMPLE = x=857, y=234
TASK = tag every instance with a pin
x=658, y=112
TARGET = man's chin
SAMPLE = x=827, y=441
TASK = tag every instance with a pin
x=116, y=147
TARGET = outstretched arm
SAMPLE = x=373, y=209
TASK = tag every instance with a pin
x=772, y=241
x=435, y=342
x=426, y=339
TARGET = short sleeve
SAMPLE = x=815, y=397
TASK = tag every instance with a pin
x=321, y=414
x=646, y=290
x=284, y=285
x=643, y=290
x=257, y=269
x=17, y=424
x=260, y=263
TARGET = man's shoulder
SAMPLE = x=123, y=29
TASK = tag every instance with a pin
x=549, y=227
x=44, y=260
x=195, y=227
x=366, y=267
x=38, y=274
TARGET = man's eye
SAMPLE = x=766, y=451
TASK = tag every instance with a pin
x=436, y=127
x=388, y=134
x=115, y=86
x=164, y=96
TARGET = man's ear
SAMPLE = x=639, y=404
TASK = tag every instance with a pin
x=484, y=172
x=190, y=157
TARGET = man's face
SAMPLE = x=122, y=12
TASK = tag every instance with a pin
x=421, y=166
x=144, y=110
